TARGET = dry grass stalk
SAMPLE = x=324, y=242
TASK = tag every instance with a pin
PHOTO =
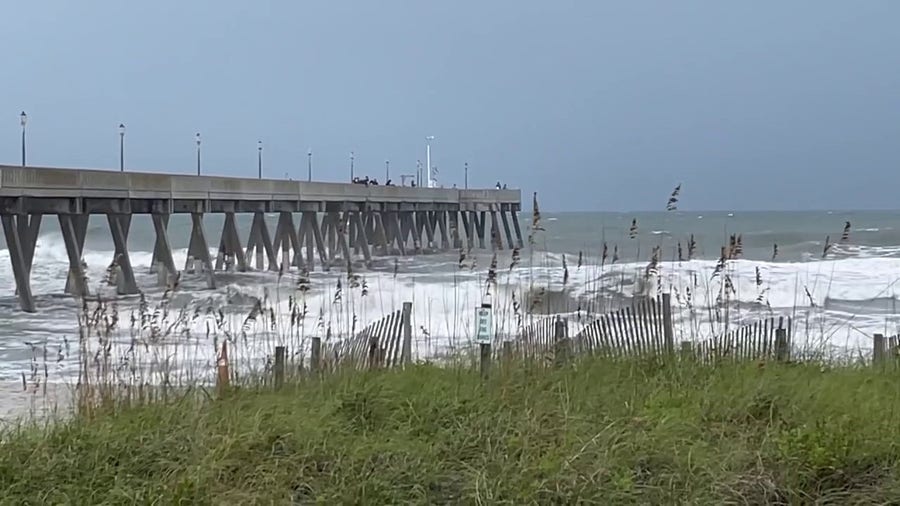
x=845, y=235
x=672, y=204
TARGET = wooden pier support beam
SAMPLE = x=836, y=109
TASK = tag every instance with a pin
x=260, y=243
x=286, y=238
x=454, y=229
x=380, y=234
x=509, y=237
x=413, y=228
x=468, y=219
x=424, y=218
x=329, y=228
x=163, y=252
x=441, y=217
x=342, y=222
x=17, y=259
x=496, y=239
x=76, y=282
x=29, y=226
x=157, y=247
x=230, y=245
x=398, y=231
x=79, y=224
x=119, y=226
x=200, y=249
x=362, y=239
x=515, y=221
x=316, y=230
x=478, y=218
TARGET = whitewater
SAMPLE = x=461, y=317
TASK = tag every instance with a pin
x=839, y=300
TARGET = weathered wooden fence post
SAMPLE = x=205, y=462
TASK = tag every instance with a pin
x=687, y=350
x=561, y=341
x=878, y=349
x=222, y=379
x=782, y=347
x=315, y=355
x=374, y=353
x=406, y=350
x=279, y=366
x=668, y=332
x=485, y=360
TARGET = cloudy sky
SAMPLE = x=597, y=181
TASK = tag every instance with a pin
x=596, y=105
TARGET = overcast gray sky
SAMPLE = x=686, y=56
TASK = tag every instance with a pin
x=596, y=105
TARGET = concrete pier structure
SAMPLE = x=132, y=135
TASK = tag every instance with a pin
x=338, y=222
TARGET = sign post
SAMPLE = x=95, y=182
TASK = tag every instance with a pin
x=484, y=335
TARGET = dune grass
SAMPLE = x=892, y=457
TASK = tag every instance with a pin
x=597, y=431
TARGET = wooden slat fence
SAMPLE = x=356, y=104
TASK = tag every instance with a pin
x=380, y=344
x=537, y=339
x=635, y=330
x=754, y=341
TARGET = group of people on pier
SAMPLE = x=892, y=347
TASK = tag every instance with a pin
x=374, y=182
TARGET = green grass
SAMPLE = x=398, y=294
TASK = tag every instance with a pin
x=597, y=432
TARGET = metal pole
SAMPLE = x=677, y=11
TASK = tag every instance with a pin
x=309, y=165
x=23, y=118
x=121, y=147
x=351, y=166
x=467, y=176
x=259, y=158
x=198, y=153
x=428, y=161
x=387, y=170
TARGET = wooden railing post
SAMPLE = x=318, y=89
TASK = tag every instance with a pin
x=315, y=355
x=485, y=360
x=561, y=341
x=406, y=350
x=222, y=379
x=687, y=350
x=878, y=349
x=782, y=347
x=668, y=332
x=279, y=366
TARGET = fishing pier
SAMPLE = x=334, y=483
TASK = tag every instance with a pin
x=336, y=222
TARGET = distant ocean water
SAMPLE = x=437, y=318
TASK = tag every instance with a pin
x=852, y=292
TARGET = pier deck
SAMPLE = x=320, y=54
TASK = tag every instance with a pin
x=338, y=222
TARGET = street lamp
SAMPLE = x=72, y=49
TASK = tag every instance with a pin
x=467, y=176
x=121, y=147
x=23, y=118
x=198, y=153
x=309, y=164
x=428, y=160
x=259, y=157
x=351, y=166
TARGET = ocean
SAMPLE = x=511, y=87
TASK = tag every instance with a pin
x=838, y=299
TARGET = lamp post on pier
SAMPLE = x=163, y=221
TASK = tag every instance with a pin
x=121, y=147
x=198, y=153
x=259, y=158
x=467, y=176
x=309, y=165
x=387, y=171
x=428, y=183
x=23, y=119
x=351, y=166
